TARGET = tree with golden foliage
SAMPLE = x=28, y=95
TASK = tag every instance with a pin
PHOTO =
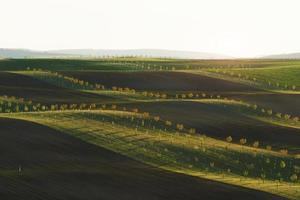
x=156, y=118
x=243, y=141
x=229, y=139
x=168, y=123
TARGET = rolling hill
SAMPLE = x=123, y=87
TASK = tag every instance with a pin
x=283, y=56
x=158, y=53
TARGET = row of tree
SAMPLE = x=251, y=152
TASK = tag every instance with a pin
x=263, y=166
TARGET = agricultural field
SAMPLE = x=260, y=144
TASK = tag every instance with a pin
x=145, y=128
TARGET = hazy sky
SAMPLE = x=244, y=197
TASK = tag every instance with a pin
x=232, y=27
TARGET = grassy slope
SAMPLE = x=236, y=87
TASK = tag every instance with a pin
x=86, y=133
x=208, y=118
x=100, y=64
x=283, y=75
x=169, y=151
x=58, y=64
x=59, y=166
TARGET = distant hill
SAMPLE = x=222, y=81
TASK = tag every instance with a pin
x=144, y=52
x=24, y=53
x=283, y=56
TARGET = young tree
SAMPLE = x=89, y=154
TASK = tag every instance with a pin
x=135, y=110
x=256, y=144
x=278, y=115
x=229, y=139
x=269, y=147
x=243, y=141
x=168, y=123
x=192, y=131
x=294, y=178
x=284, y=151
x=282, y=164
x=179, y=127
x=287, y=116
x=270, y=112
x=156, y=118
x=296, y=119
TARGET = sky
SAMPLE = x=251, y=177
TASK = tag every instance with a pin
x=240, y=28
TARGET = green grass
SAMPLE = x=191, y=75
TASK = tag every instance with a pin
x=123, y=64
x=284, y=77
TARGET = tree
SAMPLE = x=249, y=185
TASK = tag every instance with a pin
x=270, y=112
x=192, y=131
x=263, y=176
x=52, y=107
x=278, y=115
x=168, y=123
x=295, y=119
x=229, y=139
x=179, y=127
x=284, y=151
x=243, y=141
x=164, y=96
x=256, y=144
x=156, y=118
x=287, y=117
x=146, y=114
x=190, y=95
x=114, y=88
x=135, y=110
x=294, y=178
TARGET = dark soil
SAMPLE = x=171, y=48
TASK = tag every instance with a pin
x=220, y=122
x=159, y=81
x=22, y=86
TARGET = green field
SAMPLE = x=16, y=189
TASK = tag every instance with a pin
x=285, y=77
x=149, y=129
